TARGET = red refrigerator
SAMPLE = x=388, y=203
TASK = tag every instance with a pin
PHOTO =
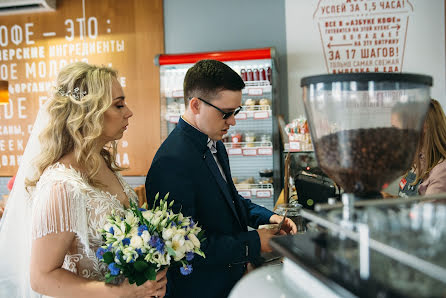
x=253, y=143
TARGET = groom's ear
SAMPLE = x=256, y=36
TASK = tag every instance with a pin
x=195, y=105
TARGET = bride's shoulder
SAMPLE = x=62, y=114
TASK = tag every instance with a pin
x=61, y=173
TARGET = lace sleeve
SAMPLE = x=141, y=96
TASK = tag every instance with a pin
x=59, y=207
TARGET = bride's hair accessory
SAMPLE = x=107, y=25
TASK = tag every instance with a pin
x=76, y=93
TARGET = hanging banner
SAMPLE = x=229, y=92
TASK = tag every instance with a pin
x=363, y=35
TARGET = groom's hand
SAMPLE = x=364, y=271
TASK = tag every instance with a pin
x=288, y=226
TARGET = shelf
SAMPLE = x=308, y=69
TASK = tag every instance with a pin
x=295, y=146
x=258, y=112
x=258, y=191
x=257, y=88
x=173, y=117
x=250, y=148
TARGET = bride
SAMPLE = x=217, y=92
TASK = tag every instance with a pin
x=67, y=184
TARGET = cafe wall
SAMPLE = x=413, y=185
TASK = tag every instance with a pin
x=406, y=35
x=125, y=35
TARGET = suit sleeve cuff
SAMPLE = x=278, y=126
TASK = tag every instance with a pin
x=252, y=246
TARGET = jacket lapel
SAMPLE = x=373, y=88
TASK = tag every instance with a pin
x=224, y=162
x=212, y=165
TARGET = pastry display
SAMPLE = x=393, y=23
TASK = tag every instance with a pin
x=264, y=104
x=250, y=104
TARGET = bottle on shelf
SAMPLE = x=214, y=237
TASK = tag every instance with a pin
x=243, y=74
x=250, y=139
x=262, y=76
x=236, y=139
x=249, y=73
x=255, y=74
x=268, y=74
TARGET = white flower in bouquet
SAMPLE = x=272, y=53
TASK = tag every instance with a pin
x=136, y=242
x=194, y=240
x=168, y=233
x=145, y=236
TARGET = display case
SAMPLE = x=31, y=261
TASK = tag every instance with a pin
x=253, y=143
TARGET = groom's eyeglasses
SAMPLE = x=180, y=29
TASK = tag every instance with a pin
x=226, y=115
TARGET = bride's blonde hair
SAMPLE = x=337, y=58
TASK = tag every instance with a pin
x=76, y=116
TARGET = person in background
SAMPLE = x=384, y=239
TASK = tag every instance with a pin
x=50, y=232
x=428, y=173
x=192, y=165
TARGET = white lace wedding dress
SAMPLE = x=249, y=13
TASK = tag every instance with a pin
x=64, y=201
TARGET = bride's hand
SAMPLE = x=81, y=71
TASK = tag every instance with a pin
x=151, y=288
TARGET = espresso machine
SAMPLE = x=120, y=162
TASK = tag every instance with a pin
x=365, y=130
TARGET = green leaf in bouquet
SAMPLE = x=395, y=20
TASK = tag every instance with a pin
x=140, y=279
x=127, y=227
x=171, y=251
x=199, y=252
x=131, y=279
x=109, y=278
x=140, y=266
x=108, y=257
x=150, y=273
x=171, y=203
x=200, y=235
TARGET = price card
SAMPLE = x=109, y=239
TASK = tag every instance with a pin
x=241, y=116
x=261, y=115
x=174, y=119
x=250, y=152
x=255, y=91
x=263, y=193
x=295, y=146
x=265, y=151
x=234, y=151
x=245, y=193
x=177, y=93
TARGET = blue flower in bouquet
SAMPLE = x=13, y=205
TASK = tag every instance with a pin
x=139, y=251
x=158, y=243
x=100, y=253
x=117, y=257
x=186, y=269
x=141, y=229
x=114, y=270
x=190, y=256
x=192, y=223
x=111, y=231
x=126, y=241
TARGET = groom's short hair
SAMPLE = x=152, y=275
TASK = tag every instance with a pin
x=208, y=77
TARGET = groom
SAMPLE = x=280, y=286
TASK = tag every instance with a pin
x=193, y=166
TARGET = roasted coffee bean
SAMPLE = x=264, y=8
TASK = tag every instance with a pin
x=361, y=161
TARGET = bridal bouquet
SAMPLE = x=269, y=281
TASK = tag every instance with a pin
x=146, y=241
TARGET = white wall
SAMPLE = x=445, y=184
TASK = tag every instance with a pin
x=424, y=52
x=216, y=25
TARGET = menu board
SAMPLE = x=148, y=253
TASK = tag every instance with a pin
x=363, y=35
x=125, y=35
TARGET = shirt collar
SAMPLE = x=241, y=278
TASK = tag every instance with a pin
x=211, y=144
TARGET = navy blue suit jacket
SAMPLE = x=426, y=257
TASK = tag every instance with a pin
x=185, y=167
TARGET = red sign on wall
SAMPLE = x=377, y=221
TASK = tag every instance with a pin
x=363, y=36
